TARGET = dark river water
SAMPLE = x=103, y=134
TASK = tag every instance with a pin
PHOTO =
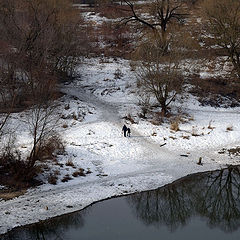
x=199, y=207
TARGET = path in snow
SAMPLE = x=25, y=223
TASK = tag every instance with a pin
x=109, y=114
x=132, y=164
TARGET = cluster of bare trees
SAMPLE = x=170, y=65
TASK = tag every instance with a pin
x=223, y=23
x=40, y=44
x=167, y=39
x=162, y=47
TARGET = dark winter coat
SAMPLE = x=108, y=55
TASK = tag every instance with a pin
x=124, y=128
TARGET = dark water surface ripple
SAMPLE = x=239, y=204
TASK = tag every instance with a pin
x=200, y=206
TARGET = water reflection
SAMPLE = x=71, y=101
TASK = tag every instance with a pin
x=213, y=195
x=51, y=229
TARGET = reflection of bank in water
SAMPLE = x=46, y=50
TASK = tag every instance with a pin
x=212, y=197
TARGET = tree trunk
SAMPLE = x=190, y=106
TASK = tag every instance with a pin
x=164, y=108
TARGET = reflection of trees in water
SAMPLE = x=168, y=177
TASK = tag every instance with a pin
x=53, y=229
x=220, y=201
x=162, y=206
x=214, y=195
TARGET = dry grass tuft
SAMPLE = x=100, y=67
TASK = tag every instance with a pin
x=52, y=179
x=66, y=178
x=80, y=172
x=175, y=125
x=70, y=163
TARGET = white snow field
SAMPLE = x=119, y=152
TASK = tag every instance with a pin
x=121, y=165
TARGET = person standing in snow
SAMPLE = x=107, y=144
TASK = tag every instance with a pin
x=124, y=130
x=128, y=132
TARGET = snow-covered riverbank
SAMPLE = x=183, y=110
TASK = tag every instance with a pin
x=122, y=165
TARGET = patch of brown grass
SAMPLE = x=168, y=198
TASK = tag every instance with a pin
x=52, y=145
x=175, y=125
x=7, y=195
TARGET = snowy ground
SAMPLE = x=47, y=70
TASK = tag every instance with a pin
x=119, y=165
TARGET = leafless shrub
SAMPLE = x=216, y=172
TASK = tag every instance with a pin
x=52, y=179
x=66, y=178
x=16, y=171
x=50, y=147
x=69, y=163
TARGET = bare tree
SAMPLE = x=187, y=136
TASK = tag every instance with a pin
x=161, y=14
x=224, y=26
x=160, y=74
x=42, y=121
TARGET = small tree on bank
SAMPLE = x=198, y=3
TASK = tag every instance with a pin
x=159, y=75
x=42, y=122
